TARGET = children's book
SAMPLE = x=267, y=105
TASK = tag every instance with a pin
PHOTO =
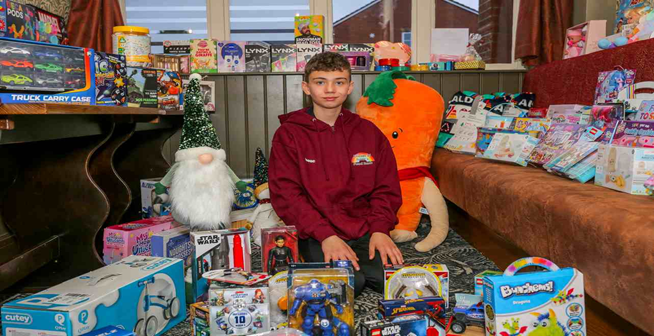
x=557, y=139
x=231, y=56
x=284, y=58
x=304, y=53
x=257, y=57
x=638, y=134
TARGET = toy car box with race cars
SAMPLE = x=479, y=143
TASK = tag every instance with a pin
x=36, y=72
x=143, y=294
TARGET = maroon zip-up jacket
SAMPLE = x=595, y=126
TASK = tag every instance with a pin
x=339, y=180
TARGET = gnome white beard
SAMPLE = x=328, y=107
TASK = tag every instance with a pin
x=202, y=194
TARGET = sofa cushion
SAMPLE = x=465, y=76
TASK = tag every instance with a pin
x=607, y=235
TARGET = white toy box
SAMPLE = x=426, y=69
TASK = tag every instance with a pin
x=218, y=250
x=143, y=294
x=151, y=204
x=535, y=303
x=414, y=274
x=624, y=168
x=241, y=311
x=511, y=147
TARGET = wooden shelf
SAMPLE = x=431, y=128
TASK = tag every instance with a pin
x=67, y=109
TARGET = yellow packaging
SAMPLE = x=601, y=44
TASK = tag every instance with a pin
x=331, y=292
x=471, y=65
x=309, y=29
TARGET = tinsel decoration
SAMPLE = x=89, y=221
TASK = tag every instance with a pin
x=260, y=168
x=197, y=131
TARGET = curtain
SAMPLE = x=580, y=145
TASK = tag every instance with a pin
x=541, y=30
x=91, y=23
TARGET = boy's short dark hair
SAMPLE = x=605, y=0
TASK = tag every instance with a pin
x=326, y=61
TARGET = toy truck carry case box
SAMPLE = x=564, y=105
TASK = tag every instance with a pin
x=143, y=294
x=36, y=72
x=535, y=303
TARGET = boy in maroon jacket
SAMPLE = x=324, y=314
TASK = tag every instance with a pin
x=333, y=176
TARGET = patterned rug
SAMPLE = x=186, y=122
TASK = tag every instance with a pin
x=462, y=260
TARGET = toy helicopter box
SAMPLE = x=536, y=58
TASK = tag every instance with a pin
x=218, y=250
x=110, y=86
x=543, y=303
x=153, y=205
x=123, y=240
x=402, y=281
x=36, y=72
x=142, y=294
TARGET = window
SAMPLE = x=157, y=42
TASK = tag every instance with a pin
x=366, y=21
x=406, y=38
x=168, y=19
x=264, y=20
x=493, y=19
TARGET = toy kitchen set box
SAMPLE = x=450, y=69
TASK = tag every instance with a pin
x=143, y=294
x=35, y=72
x=535, y=303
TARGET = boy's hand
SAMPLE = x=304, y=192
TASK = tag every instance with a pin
x=335, y=248
x=386, y=247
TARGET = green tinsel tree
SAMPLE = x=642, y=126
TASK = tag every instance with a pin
x=260, y=168
x=198, y=131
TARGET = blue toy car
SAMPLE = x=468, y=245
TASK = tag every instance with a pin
x=467, y=316
x=48, y=54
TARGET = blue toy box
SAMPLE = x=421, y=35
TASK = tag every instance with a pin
x=543, y=303
x=110, y=331
x=407, y=325
x=143, y=294
x=36, y=72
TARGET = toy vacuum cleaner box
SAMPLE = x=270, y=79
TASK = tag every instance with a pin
x=110, y=73
x=123, y=240
x=143, y=294
x=36, y=72
x=543, y=303
x=218, y=250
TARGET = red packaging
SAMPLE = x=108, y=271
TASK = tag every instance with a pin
x=384, y=61
x=277, y=254
x=395, y=62
x=537, y=112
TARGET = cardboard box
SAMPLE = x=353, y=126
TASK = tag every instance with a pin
x=174, y=243
x=309, y=29
x=543, y=303
x=624, y=169
x=241, y=311
x=47, y=73
x=408, y=325
x=123, y=240
x=142, y=87
x=200, y=319
x=110, y=73
x=231, y=56
x=170, y=89
x=359, y=60
x=257, y=57
x=3, y=18
x=470, y=65
x=135, y=293
x=479, y=281
x=283, y=58
x=151, y=204
x=511, y=147
x=218, y=250
x=15, y=20
x=304, y=53
x=177, y=47
x=51, y=28
x=110, y=331
x=582, y=39
x=204, y=57
x=439, y=270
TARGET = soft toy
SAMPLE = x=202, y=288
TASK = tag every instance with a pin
x=264, y=215
x=409, y=113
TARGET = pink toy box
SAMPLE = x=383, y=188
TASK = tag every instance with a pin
x=582, y=39
x=123, y=240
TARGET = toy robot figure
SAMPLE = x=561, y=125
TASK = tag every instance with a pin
x=318, y=299
x=279, y=257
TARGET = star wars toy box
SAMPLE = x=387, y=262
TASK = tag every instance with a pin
x=110, y=73
x=169, y=89
x=142, y=87
x=407, y=325
x=543, y=303
x=110, y=331
x=257, y=57
x=431, y=307
x=231, y=56
x=240, y=311
x=283, y=58
x=279, y=248
x=416, y=281
x=218, y=250
x=323, y=290
x=624, y=169
x=123, y=240
x=204, y=57
x=35, y=72
x=200, y=319
x=153, y=205
x=141, y=294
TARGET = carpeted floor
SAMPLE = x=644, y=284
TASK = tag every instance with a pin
x=462, y=260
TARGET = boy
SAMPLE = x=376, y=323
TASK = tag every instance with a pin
x=333, y=176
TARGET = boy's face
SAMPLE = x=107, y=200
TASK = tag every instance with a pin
x=328, y=89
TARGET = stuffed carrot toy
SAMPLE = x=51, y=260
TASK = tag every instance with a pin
x=409, y=113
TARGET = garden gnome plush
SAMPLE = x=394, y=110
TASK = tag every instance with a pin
x=201, y=184
x=409, y=113
x=264, y=215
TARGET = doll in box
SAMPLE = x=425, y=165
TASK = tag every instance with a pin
x=575, y=44
x=504, y=149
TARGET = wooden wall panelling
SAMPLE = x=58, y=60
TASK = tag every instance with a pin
x=275, y=104
x=434, y=80
x=294, y=93
x=451, y=84
x=144, y=146
x=490, y=83
x=220, y=117
x=470, y=82
x=367, y=80
x=510, y=82
x=237, y=123
x=256, y=119
x=8, y=243
x=356, y=94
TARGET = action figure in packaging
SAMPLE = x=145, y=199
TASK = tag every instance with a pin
x=279, y=248
x=321, y=299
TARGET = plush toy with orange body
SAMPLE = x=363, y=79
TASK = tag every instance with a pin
x=409, y=113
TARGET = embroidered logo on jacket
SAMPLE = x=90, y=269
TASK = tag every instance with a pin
x=309, y=160
x=362, y=159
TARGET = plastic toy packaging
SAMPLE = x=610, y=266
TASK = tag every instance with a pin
x=279, y=248
x=413, y=282
x=240, y=311
x=278, y=293
x=471, y=53
x=321, y=299
x=282, y=332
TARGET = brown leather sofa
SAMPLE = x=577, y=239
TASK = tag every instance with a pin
x=607, y=235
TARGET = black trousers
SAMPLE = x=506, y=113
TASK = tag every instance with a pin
x=371, y=273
